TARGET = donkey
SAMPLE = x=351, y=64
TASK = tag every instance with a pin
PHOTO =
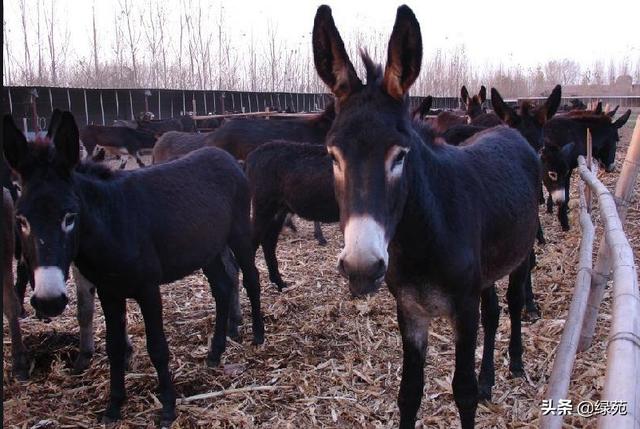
x=176, y=144
x=474, y=106
x=565, y=138
x=118, y=139
x=404, y=210
x=288, y=178
x=128, y=232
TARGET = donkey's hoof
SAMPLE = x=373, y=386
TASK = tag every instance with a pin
x=127, y=357
x=234, y=333
x=82, y=363
x=484, y=393
x=21, y=374
x=517, y=371
x=111, y=415
x=167, y=418
x=565, y=228
x=213, y=360
x=531, y=315
x=322, y=241
x=280, y=285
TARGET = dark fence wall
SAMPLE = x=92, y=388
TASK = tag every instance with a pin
x=103, y=106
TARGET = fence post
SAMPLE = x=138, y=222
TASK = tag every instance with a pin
x=102, y=109
x=602, y=269
x=567, y=348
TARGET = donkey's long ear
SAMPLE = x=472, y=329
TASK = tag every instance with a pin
x=14, y=143
x=423, y=108
x=464, y=95
x=67, y=141
x=612, y=113
x=54, y=123
x=619, y=123
x=404, y=57
x=483, y=94
x=553, y=102
x=502, y=109
x=598, y=108
x=330, y=56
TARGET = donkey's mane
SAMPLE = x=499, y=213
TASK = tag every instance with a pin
x=96, y=170
x=585, y=116
x=374, y=70
x=526, y=106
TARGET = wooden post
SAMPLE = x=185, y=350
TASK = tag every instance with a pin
x=86, y=106
x=589, y=163
x=602, y=268
x=102, y=109
x=34, y=110
x=566, y=352
x=133, y=117
x=623, y=349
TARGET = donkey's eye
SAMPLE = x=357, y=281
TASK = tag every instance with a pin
x=552, y=175
x=69, y=221
x=399, y=159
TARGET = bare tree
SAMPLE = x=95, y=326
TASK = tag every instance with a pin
x=95, y=42
x=27, y=72
x=133, y=36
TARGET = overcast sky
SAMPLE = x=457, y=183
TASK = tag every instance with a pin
x=514, y=32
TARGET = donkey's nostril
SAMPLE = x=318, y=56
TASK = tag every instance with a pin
x=379, y=269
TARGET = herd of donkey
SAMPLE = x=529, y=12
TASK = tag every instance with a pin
x=439, y=208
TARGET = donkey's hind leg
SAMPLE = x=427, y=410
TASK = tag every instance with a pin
x=86, y=293
x=22, y=279
x=11, y=308
x=515, y=300
x=235, y=312
x=269, y=244
x=490, y=313
x=288, y=222
x=317, y=234
x=221, y=285
x=245, y=254
x=531, y=309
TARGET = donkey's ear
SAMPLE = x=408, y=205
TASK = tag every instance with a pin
x=553, y=102
x=483, y=94
x=598, y=108
x=14, y=143
x=464, y=94
x=67, y=141
x=619, y=123
x=423, y=108
x=330, y=56
x=404, y=57
x=54, y=122
x=502, y=109
x=612, y=113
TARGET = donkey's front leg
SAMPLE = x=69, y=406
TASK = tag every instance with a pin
x=150, y=303
x=465, y=384
x=86, y=293
x=414, y=329
x=114, y=308
x=490, y=318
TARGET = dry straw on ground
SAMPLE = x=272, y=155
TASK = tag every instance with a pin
x=328, y=361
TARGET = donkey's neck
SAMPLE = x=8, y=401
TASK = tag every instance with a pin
x=104, y=230
x=422, y=217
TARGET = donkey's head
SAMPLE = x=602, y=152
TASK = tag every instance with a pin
x=369, y=142
x=473, y=105
x=47, y=211
x=528, y=119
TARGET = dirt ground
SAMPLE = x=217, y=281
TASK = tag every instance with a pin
x=328, y=360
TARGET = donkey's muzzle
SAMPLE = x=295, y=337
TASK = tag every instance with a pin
x=49, y=307
x=363, y=280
